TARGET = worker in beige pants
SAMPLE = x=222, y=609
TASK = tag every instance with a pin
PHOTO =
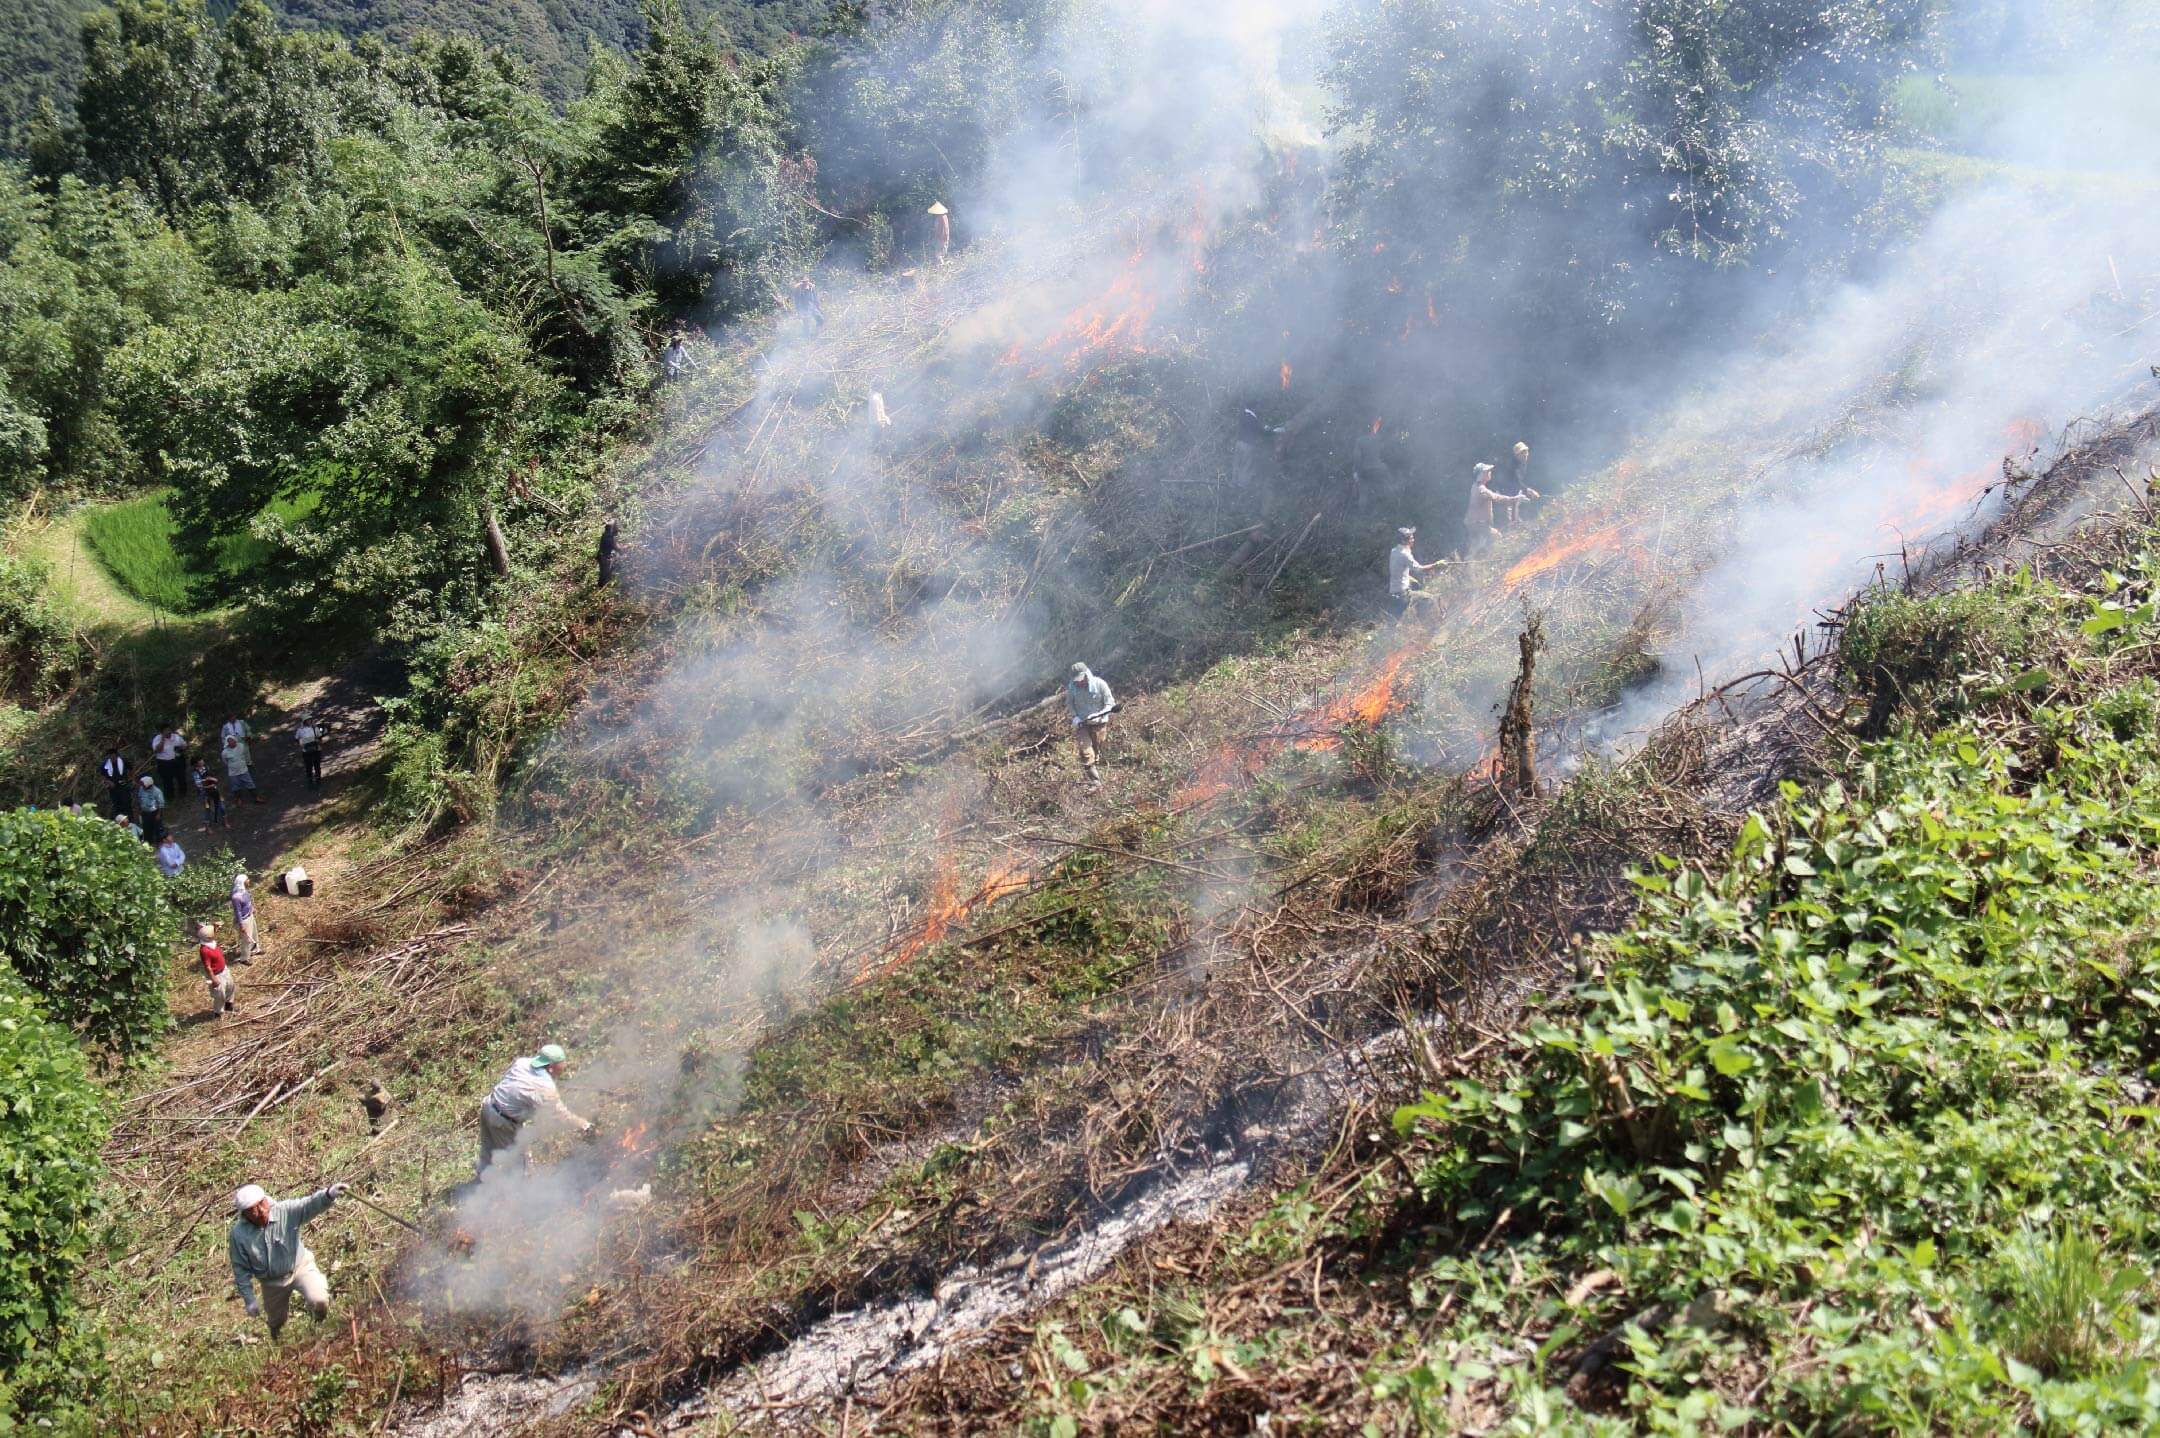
x=308, y=1279
x=264, y=1248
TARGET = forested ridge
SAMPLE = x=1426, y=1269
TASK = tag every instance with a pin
x=553, y=40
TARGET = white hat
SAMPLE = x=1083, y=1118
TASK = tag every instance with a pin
x=239, y=882
x=247, y=1196
x=937, y=207
x=1483, y=469
x=1078, y=672
x=1407, y=532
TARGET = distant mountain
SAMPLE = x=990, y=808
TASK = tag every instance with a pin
x=40, y=52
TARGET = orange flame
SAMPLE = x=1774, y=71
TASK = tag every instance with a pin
x=949, y=908
x=1375, y=425
x=633, y=1138
x=1315, y=731
x=1563, y=545
x=1116, y=321
x=1286, y=374
x=1935, y=499
x=1366, y=705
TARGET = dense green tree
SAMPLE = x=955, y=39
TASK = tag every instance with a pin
x=906, y=108
x=149, y=67
x=396, y=408
x=82, y=269
x=1574, y=182
x=83, y=922
x=53, y=1121
x=685, y=183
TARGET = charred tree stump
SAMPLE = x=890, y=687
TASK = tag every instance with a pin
x=1518, y=748
x=607, y=554
x=498, y=548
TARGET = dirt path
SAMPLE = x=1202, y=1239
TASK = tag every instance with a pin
x=292, y=823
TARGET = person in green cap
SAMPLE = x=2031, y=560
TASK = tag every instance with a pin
x=526, y=1091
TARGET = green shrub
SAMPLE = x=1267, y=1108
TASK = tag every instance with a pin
x=39, y=650
x=1917, y=1009
x=201, y=889
x=1933, y=656
x=83, y=922
x=52, y=1126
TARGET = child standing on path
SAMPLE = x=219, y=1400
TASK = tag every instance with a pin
x=213, y=797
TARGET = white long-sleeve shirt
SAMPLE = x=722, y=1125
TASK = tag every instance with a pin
x=528, y=1089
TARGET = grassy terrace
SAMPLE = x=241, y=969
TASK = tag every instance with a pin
x=138, y=542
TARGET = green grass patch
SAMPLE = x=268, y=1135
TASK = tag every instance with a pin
x=138, y=542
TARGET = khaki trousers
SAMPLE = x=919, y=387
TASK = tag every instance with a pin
x=314, y=1292
x=221, y=991
x=496, y=1134
x=1088, y=738
x=249, y=944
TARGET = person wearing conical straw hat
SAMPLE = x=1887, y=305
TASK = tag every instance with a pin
x=940, y=229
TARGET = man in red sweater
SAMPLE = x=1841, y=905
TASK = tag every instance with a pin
x=215, y=973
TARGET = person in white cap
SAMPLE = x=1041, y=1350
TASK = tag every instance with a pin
x=1478, y=530
x=1088, y=697
x=264, y=1247
x=940, y=230
x=526, y=1090
x=243, y=913
x=1402, y=572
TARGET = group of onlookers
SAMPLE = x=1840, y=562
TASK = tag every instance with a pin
x=141, y=800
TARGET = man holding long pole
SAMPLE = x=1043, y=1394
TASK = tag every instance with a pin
x=1090, y=702
x=265, y=1248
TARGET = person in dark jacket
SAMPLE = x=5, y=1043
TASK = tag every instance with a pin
x=119, y=792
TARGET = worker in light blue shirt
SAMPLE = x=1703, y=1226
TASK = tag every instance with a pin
x=264, y=1247
x=1089, y=698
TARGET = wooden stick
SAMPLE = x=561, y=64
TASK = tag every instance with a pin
x=1290, y=553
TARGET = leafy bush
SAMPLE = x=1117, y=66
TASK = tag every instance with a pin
x=1932, y=655
x=201, y=889
x=52, y=1125
x=1816, y=1099
x=83, y=922
x=39, y=649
